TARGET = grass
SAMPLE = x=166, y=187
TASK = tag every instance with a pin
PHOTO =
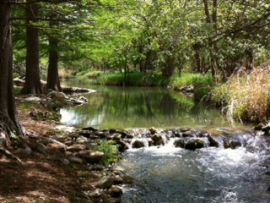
x=246, y=97
x=203, y=84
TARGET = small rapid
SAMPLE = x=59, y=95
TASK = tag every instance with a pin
x=169, y=174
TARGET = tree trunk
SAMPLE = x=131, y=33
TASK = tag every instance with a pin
x=8, y=115
x=53, y=82
x=32, y=77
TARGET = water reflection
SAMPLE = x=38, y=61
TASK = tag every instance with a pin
x=140, y=107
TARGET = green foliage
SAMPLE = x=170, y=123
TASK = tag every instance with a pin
x=110, y=150
x=133, y=79
x=202, y=83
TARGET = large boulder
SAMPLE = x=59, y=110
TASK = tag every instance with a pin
x=194, y=144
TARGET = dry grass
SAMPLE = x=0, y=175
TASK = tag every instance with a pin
x=247, y=96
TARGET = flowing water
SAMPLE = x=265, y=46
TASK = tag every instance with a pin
x=173, y=175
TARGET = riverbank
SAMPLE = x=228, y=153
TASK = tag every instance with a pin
x=196, y=83
x=245, y=96
x=57, y=166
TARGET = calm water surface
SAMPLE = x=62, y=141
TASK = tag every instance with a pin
x=130, y=107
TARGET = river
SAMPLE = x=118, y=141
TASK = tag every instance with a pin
x=172, y=175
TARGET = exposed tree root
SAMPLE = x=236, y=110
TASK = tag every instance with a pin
x=9, y=154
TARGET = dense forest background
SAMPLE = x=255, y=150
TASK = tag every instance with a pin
x=165, y=36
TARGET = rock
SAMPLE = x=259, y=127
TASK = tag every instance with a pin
x=212, y=141
x=233, y=144
x=118, y=180
x=118, y=169
x=56, y=147
x=111, y=200
x=179, y=143
x=57, y=95
x=115, y=191
x=41, y=148
x=97, y=167
x=65, y=161
x=56, y=100
x=157, y=139
x=138, y=144
x=128, y=180
x=188, y=133
x=93, y=157
x=116, y=136
x=76, y=147
x=152, y=130
x=33, y=99
x=76, y=160
x=65, y=128
x=122, y=146
x=105, y=182
x=194, y=144
x=27, y=150
x=95, y=194
x=177, y=133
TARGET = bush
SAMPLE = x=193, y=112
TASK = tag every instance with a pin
x=110, y=150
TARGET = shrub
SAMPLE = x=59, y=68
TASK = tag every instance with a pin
x=110, y=150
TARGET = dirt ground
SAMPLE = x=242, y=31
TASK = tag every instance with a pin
x=42, y=179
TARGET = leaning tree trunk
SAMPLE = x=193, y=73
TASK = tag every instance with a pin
x=32, y=77
x=8, y=116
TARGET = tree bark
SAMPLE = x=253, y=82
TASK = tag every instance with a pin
x=53, y=82
x=8, y=115
x=32, y=76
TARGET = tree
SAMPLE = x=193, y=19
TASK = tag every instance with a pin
x=9, y=123
x=32, y=83
x=53, y=82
